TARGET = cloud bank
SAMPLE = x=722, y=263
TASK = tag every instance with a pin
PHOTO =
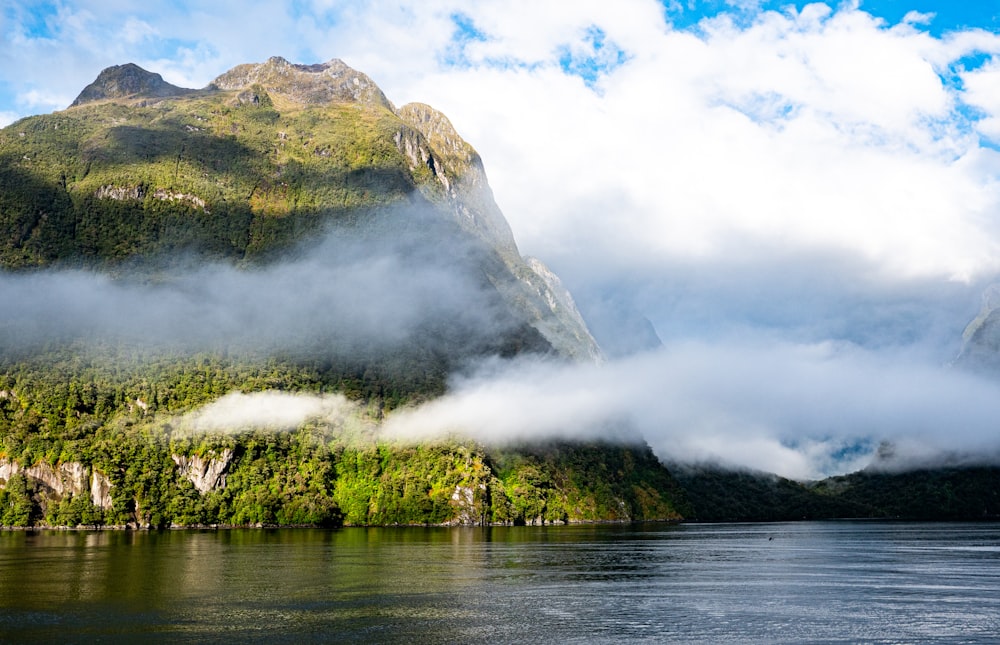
x=802, y=411
x=361, y=295
x=271, y=411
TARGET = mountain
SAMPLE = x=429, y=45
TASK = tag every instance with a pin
x=266, y=156
x=717, y=494
x=170, y=254
x=981, y=339
x=127, y=82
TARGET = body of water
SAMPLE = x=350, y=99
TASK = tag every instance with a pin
x=835, y=582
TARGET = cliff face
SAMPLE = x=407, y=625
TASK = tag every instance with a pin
x=67, y=479
x=981, y=339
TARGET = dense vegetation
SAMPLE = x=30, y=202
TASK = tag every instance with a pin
x=107, y=182
x=954, y=493
x=125, y=421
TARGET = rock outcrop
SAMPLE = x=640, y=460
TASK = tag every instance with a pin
x=128, y=81
x=207, y=474
x=67, y=478
x=319, y=84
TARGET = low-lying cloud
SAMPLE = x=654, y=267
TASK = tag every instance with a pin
x=269, y=411
x=351, y=293
x=802, y=411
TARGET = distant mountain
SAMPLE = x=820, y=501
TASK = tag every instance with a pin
x=981, y=339
x=718, y=494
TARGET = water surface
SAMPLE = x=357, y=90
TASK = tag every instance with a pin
x=836, y=582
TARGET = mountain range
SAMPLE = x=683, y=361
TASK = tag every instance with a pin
x=185, y=269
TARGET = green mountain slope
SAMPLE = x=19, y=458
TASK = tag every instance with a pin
x=717, y=494
x=284, y=230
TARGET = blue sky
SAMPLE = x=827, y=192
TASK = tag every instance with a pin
x=947, y=16
x=815, y=183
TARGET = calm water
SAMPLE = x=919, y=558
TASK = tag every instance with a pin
x=816, y=582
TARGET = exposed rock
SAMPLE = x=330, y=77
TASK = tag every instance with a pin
x=191, y=200
x=7, y=470
x=458, y=168
x=68, y=478
x=127, y=81
x=321, y=84
x=100, y=490
x=562, y=325
x=120, y=193
x=206, y=474
x=255, y=96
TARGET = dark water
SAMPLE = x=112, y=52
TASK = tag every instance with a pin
x=839, y=582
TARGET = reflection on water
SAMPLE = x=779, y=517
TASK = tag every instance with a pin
x=832, y=582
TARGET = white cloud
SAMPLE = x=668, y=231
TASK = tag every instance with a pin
x=781, y=407
x=266, y=411
x=810, y=129
x=136, y=30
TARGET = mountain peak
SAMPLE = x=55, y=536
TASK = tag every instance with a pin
x=127, y=81
x=317, y=84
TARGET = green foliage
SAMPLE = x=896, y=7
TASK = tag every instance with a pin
x=317, y=475
x=574, y=481
x=17, y=506
x=947, y=493
x=104, y=182
x=73, y=511
x=719, y=495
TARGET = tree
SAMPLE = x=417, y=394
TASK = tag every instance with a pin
x=17, y=508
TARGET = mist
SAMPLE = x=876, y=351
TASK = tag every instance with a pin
x=800, y=367
x=803, y=411
x=353, y=292
x=269, y=411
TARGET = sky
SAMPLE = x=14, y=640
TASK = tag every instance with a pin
x=803, y=199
